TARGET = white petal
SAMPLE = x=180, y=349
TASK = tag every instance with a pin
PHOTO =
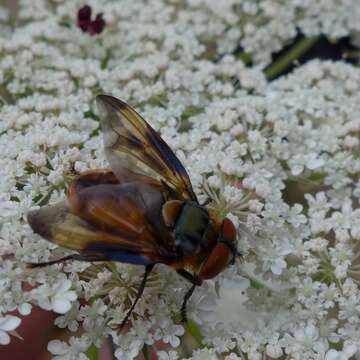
x=174, y=341
x=4, y=338
x=9, y=323
x=70, y=295
x=24, y=309
x=57, y=347
x=278, y=266
x=237, y=282
x=274, y=351
x=44, y=304
x=62, y=286
x=349, y=350
x=61, y=305
x=313, y=162
x=297, y=169
x=332, y=355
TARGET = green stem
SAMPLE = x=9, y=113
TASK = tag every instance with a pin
x=246, y=58
x=255, y=284
x=106, y=59
x=92, y=352
x=5, y=96
x=352, y=54
x=145, y=352
x=193, y=328
x=281, y=64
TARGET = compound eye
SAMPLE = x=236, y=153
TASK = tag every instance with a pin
x=218, y=260
x=228, y=230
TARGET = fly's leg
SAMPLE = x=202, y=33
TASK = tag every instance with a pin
x=148, y=269
x=80, y=257
x=196, y=281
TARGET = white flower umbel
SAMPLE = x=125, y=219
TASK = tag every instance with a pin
x=74, y=350
x=280, y=158
x=57, y=297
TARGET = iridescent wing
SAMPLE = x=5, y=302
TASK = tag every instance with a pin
x=133, y=146
x=120, y=222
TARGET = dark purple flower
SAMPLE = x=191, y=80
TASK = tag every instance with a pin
x=86, y=24
x=97, y=26
x=84, y=17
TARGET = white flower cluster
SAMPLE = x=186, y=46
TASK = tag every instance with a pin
x=281, y=159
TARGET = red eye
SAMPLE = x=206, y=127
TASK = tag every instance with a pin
x=221, y=255
x=228, y=230
x=216, y=262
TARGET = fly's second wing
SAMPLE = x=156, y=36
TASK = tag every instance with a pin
x=121, y=222
x=133, y=146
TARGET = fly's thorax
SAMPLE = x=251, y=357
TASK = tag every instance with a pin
x=192, y=227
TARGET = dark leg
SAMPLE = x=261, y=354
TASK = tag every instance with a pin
x=196, y=281
x=148, y=269
x=83, y=257
x=190, y=277
x=186, y=299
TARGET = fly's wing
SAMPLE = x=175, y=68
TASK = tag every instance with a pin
x=133, y=146
x=115, y=221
